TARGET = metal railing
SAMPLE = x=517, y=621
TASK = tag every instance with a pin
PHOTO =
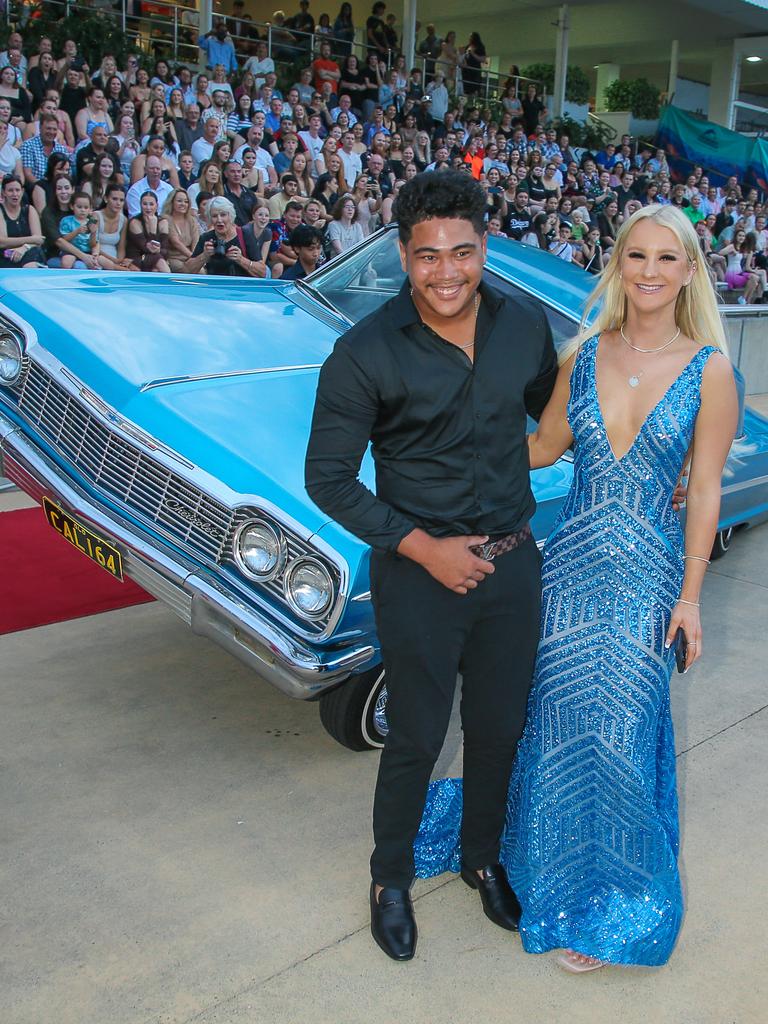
x=170, y=30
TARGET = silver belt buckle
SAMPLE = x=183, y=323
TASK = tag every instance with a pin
x=486, y=550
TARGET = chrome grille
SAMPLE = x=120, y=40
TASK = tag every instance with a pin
x=297, y=548
x=120, y=468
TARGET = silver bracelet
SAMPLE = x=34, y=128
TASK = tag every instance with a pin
x=693, y=604
x=697, y=558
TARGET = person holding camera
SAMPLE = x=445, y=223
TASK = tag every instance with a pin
x=378, y=179
x=79, y=229
x=367, y=199
x=222, y=250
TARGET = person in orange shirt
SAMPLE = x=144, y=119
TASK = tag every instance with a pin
x=474, y=156
x=325, y=69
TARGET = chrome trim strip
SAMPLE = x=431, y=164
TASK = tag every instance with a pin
x=162, y=382
x=297, y=669
x=365, y=596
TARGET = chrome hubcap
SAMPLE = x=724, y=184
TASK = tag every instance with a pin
x=380, y=713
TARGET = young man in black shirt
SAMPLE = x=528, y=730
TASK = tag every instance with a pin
x=518, y=220
x=440, y=380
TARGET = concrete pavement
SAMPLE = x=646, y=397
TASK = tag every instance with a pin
x=182, y=844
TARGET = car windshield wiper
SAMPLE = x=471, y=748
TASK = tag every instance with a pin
x=319, y=297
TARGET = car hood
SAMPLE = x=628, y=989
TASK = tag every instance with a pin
x=118, y=332
x=131, y=338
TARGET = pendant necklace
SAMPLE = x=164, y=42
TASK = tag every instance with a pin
x=634, y=379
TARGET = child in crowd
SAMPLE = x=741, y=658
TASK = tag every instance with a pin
x=79, y=228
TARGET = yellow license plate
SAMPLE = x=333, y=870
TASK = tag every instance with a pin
x=80, y=537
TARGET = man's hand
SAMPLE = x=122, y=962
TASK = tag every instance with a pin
x=448, y=559
x=681, y=490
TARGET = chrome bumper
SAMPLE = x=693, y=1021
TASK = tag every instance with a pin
x=204, y=604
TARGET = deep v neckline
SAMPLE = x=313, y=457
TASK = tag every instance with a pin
x=651, y=411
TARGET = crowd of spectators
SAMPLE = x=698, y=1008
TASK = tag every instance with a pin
x=223, y=169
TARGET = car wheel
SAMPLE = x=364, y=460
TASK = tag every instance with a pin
x=355, y=713
x=723, y=540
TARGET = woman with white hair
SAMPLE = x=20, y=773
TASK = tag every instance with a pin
x=221, y=251
x=644, y=391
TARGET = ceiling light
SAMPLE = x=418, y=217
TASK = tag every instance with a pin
x=754, y=60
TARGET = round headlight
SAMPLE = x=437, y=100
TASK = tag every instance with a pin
x=10, y=359
x=308, y=588
x=259, y=550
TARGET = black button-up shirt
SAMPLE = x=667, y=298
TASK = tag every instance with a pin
x=448, y=435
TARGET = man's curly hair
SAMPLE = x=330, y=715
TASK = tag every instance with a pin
x=453, y=195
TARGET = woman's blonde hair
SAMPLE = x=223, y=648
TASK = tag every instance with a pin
x=696, y=312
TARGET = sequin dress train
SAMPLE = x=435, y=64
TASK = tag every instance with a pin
x=591, y=841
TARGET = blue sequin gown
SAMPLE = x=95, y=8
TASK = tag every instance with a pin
x=591, y=839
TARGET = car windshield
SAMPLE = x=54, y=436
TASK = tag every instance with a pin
x=359, y=283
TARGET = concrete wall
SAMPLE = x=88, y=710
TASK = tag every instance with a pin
x=748, y=340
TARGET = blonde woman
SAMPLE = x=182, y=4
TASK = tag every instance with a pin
x=209, y=181
x=422, y=150
x=592, y=841
x=183, y=229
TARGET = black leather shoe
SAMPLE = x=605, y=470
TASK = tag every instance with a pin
x=393, y=925
x=499, y=902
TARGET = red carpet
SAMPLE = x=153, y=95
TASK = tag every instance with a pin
x=44, y=579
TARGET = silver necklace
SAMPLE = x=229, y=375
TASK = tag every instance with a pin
x=477, y=307
x=634, y=379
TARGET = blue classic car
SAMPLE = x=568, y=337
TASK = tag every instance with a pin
x=162, y=421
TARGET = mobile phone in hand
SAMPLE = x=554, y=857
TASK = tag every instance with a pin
x=680, y=646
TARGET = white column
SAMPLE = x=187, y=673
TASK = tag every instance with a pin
x=206, y=16
x=724, y=85
x=561, y=62
x=606, y=73
x=409, y=32
x=673, y=61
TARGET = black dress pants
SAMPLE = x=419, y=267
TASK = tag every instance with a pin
x=428, y=635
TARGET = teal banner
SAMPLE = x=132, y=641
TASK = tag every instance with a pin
x=688, y=140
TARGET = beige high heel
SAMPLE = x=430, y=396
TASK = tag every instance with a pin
x=569, y=963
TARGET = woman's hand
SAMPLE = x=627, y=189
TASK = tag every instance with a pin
x=234, y=253
x=688, y=618
x=208, y=249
